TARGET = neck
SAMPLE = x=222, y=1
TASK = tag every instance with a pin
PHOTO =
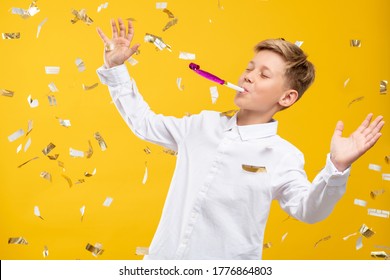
x=246, y=117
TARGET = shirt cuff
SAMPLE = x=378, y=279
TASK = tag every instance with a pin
x=113, y=76
x=334, y=177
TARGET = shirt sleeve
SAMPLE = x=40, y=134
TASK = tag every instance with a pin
x=156, y=128
x=306, y=201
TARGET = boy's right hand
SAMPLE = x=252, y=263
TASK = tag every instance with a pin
x=118, y=50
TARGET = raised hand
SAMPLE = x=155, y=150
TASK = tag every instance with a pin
x=344, y=151
x=117, y=50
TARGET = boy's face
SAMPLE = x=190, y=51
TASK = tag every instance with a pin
x=264, y=84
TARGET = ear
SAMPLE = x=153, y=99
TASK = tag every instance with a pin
x=288, y=98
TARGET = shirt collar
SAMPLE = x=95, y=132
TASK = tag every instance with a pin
x=253, y=131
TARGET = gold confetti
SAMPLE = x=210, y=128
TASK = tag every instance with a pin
x=87, y=174
x=80, y=64
x=40, y=26
x=355, y=43
x=89, y=153
x=19, y=148
x=53, y=157
x=284, y=236
x=95, y=250
x=147, y=150
x=229, y=113
x=65, y=123
x=81, y=15
x=350, y=235
x=346, y=82
x=386, y=176
x=157, y=41
x=360, y=202
x=37, y=212
x=82, y=211
x=145, y=174
x=214, y=94
x=179, y=85
x=378, y=213
x=52, y=100
x=107, y=202
x=48, y=149
x=102, y=143
x=322, y=239
x=28, y=161
x=16, y=135
x=32, y=102
x=80, y=181
x=68, y=180
x=187, y=56
x=253, y=168
x=267, y=245
x=170, y=152
x=61, y=164
x=356, y=100
x=387, y=159
x=85, y=87
x=52, y=70
x=170, y=24
x=17, y=240
x=6, y=92
x=11, y=36
x=298, y=43
x=27, y=145
x=375, y=193
x=383, y=87
x=169, y=13
x=379, y=254
x=29, y=127
x=359, y=243
x=31, y=11
x=46, y=175
x=75, y=153
x=45, y=252
x=220, y=5
x=375, y=167
x=161, y=5
x=102, y=6
x=365, y=231
x=142, y=251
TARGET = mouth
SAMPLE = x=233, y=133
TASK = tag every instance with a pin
x=246, y=91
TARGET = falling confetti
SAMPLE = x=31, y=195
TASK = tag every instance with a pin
x=11, y=36
x=85, y=87
x=68, y=180
x=299, y=43
x=89, y=153
x=40, y=26
x=350, y=235
x=102, y=143
x=284, y=236
x=52, y=70
x=52, y=100
x=383, y=87
x=76, y=153
x=379, y=254
x=229, y=113
x=376, y=193
x=178, y=82
x=24, y=163
x=17, y=134
x=360, y=202
x=170, y=152
x=82, y=211
x=80, y=64
x=267, y=245
x=356, y=100
x=102, y=6
x=359, y=243
x=255, y=169
x=45, y=252
x=375, y=167
x=65, y=123
x=386, y=176
x=32, y=102
x=107, y=202
x=142, y=251
x=170, y=24
x=87, y=174
x=6, y=92
x=145, y=175
x=355, y=43
x=48, y=149
x=95, y=250
x=378, y=213
x=321, y=240
x=27, y=145
x=53, y=87
x=29, y=127
x=132, y=61
x=81, y=15
x=366, y=232
x=187, y=56
x=214, y=94
x=147, y=150
x=161, y=5
x=157, y=41
x=346, y=82
x=17, y=240
x=37, y=212
x=19, y=148
x=31, y=11
x=46, y=175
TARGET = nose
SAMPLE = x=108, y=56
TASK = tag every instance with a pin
x=248, y=76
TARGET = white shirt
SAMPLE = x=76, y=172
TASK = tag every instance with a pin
x=215, y=209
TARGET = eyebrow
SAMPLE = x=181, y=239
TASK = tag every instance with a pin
x=263, y=67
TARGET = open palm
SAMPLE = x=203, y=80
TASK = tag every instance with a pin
x=344, y=151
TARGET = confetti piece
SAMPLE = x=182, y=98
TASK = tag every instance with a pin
x=375, y=167
x=375, y=193
x=95, y=250
x=17, y=240
x=81, y=15
x=157, y=41
x=348, y=236
x=85, y=87
x=52, y=70
x=82, y=211
x=17, y=134
x=355, y=100
x=68, y=180
x=52, y=100
x=107, y=202
x=322, y=239
x=32, y=102
x=170, y=152
x=179, y=85
x=29, y=126
x=360, y=202
x=80, y=181
x=387, y=159
x=220, y=5
x=147, y=150
x=267, y=245
x=169, y=13
x=386, y=176
x=89, y=153
x=76, y=153
x=48, y=149
x=40, y=26
x=27, y=145
x=187, y=56
x=80, y=64
x=24, y=163
x=46, y=175
x=359, y=243
x=229, y=113
x=53, y=87
x=298, y=43
x=255, y=169
x=378, y=213
x=65, y=123
x=31, y=11
x=284, y=236
x=142, y=251
x=11, y=36
x=132, y=61
x=379, y=254
x=53, y=157
x=161, y=5
x=346, y=82
x=6, y=93
x=102, y=6
x=170, y=24
x=102, y=143
x=37, y=212
x=355, y=43
x=214, y=94
x=365, y=231
x=87, y=174
x=145, y=175
x=382, y=247
x=45, y=252
x=19, y=148
x=383, y=87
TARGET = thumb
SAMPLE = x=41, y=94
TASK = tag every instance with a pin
x=339, y=129
x=132, y=50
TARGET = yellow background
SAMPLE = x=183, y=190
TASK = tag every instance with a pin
x=222, y=37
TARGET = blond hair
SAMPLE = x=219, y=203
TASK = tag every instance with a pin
x=300, y=72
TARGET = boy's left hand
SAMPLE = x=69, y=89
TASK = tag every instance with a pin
x=344, y=151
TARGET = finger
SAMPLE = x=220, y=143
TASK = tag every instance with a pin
x=339, y=129
x=132, y=50
x=114, y=29
x=372, y=141
x=365, y=123
x=122, y=28
x=372, y=126
x=130, y=31
x=103, y=36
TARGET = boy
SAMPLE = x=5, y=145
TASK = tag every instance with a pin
x=229, y=169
